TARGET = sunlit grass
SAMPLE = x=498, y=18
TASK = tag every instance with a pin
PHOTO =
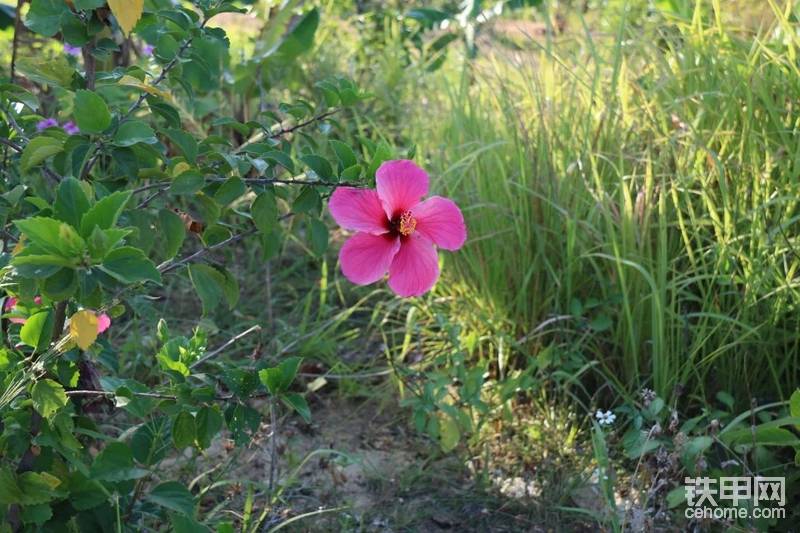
x=643, y=184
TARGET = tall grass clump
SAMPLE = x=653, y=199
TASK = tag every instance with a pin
x=634, y=198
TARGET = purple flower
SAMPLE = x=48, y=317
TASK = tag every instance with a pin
x=74, y=51
x=147, y=49
x=46, y=123
x=70, y=128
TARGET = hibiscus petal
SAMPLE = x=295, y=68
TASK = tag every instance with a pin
x=440, y=220
x=401, y=185
x=365, y=258
x=103, y=322
x=415, y=268
x=358, y=210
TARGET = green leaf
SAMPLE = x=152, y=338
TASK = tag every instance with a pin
x=173, y=496
x=85, y=493
x=10, y=493
x=88, y=4
x=46, y=16
x=601, y=323
x=71, y=202
x=48, y=397
x=101, y=241
x=209, y=423
x=37, y=330
x=763, y=436
x=278, y=379
x=60, y=286
x=319, y=237
x=115, y=463
x=188, y=182
x=301, y=38
x=39, y=149
x=36, y=514
x=37, y=487
x=298, y=403
x=265, y=212
x=184, y=141
x=230, y=190
x=183, y=430
x=52, y=236
x=54, y=71
x=105, y=212
x=319, y=165
x=130, y=265
x=449, y=433
x=173, y=230
x=212, y=286
x=794, y=403
x=91, y=112
x=134, y=132
x=383, y=152
x=308, y=200
x=346, y=156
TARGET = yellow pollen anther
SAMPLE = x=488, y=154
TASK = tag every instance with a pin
x=407, y=224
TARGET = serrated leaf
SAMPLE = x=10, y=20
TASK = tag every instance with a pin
x=91, y=112
x=105, y=212
x=71, y=202
x=46, y=16
x=39, y=149
x=37, y=487
x=48, y=397
x=127, y=13
x=54, y=71
x=52, y=236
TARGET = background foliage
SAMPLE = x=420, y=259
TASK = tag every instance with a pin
x=628, y=174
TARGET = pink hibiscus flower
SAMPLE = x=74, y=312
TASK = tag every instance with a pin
x=396, y=231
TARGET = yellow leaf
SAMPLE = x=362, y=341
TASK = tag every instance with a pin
x=83, y=328
x=129, y=81
x=19, y=246
x=127, y=13
x=180, y=168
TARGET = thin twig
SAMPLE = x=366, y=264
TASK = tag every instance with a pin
x=11, y=144
x=222, y=348
x=284, y=131
x=169, y=266
x=163, y=185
